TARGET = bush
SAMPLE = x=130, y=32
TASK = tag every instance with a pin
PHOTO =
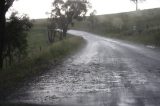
x=16, y=37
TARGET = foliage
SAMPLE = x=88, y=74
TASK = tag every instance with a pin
x=4, y=6
x=16, y=37
x=14, y=77
x=41, y=57
x=65, y=12
x=139, y=26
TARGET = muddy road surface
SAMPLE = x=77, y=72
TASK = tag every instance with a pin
x=105, y=72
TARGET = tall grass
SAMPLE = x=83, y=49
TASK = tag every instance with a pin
x=14, y=76
x=138, y=26
x=42, y=56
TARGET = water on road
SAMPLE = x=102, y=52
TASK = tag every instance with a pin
x=105, y=72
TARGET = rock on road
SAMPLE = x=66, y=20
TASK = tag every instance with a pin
x=105, y=72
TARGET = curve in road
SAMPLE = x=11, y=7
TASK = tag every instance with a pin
x=106, y=72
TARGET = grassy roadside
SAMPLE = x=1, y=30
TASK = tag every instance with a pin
x=141, y=26
x=41, y=57
x=152, y=39
x=145, y=39
x=30, y=67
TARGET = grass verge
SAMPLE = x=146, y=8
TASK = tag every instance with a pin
x=146, y=39
x=14, y=77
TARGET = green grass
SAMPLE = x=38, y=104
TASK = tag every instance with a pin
x=146, y=39
x=39, y=60
x=37, y=64
x=37, y=38
x=121, y=26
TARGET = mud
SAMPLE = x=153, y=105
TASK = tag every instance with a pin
x=106, y=72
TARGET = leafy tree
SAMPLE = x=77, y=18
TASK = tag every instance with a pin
x=65, y=12
x=16, y=37
x=4, y=6
x=136, y=2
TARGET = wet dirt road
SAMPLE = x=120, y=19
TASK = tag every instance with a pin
x=105, y=73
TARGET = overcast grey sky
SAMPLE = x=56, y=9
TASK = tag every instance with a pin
x=38, y=8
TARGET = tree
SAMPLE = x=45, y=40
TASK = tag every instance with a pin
x=65, y=12
x=4, y=6
x=15, y=44
x=136, y=2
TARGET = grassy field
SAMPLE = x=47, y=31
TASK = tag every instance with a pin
x=141, y=26
x=41, y=57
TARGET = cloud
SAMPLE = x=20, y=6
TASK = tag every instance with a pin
x=38, y=8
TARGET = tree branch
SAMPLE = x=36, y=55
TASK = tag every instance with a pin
x=8, y=4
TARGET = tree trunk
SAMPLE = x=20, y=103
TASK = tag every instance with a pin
x=10, y=56
x=50, y=36
x=2, y=30
x=65, y=31
x=54, y=34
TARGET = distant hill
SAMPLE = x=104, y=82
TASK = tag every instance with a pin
x=141, y=26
